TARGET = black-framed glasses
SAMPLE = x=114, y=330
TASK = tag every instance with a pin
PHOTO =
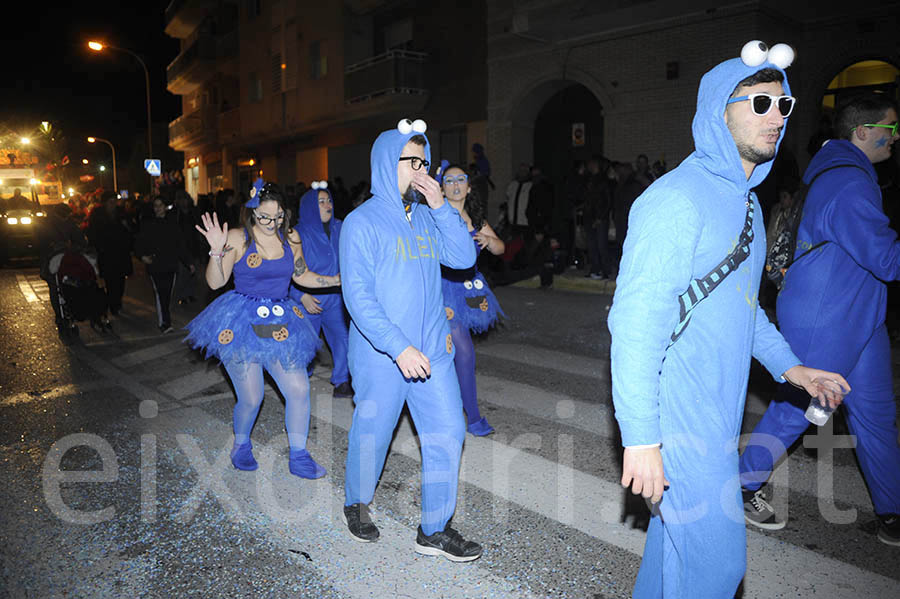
x=415, y=162
x=458, y=179
x=893, y=127
x=268, y=220
x=761, y=103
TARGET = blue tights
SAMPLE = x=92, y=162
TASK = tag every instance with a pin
x=247, y=379
x=465, y=371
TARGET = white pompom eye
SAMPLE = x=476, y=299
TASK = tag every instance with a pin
x=781, y=55
x=405, y=126
x=419, y=126
x=754, y=53
x=478, y=284
x=262, y=312
x=277, y=310
x=468, y=285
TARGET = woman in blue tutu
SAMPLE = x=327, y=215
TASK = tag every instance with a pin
x=257, y=326
x=470, y=304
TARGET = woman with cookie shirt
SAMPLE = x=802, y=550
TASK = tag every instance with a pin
x=257, y=326
x=469, y=302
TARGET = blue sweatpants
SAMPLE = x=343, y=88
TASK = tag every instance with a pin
x=871, y=416
x=436, y=410
x=333, y=321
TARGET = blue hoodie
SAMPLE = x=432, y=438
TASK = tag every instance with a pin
x=679, y=229
x=390, y=267
x=834, y=298
x=319, y=249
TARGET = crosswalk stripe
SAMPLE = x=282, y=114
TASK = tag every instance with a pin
x=193, y=383
x=26, y=289
x=149, y=353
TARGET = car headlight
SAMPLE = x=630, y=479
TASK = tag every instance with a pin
x=12, y=221
x=26, y=220
x=39, y=214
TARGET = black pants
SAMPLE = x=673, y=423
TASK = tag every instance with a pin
x=115, y=289
x=163, y=282
x=598, y=248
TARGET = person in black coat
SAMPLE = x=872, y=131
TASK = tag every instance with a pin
x=109, y=234
x=161, y=247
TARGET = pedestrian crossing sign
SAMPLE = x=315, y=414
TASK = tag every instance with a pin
x=152, y=166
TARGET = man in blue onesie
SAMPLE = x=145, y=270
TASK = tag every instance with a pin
x=679, y=396
x=832, y=312
x=391, y=252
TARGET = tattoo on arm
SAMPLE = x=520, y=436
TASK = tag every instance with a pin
x=299, y=266
x=323, y=282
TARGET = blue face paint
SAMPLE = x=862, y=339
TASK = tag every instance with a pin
x=882, y=142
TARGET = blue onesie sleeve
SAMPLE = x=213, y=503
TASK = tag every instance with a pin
x=656, y=268
x=358, y=281
x=454, y=242
x=855, y=221
x=770, y=348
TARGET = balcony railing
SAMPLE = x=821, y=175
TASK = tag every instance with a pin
x=197, y=62
x=394, y=72
x=193, y=128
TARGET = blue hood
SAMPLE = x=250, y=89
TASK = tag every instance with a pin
x=714, y=147
x=386, y=152
x=838, y=152
x=319, y=250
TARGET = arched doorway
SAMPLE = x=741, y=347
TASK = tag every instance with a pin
x=861, y=76
x=568, y=127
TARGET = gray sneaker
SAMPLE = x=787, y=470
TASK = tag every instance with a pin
x=758, y=512
x=359, y=523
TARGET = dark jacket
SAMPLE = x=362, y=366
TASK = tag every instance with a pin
x=597, y=203
x=161, y=239
x=113, y=241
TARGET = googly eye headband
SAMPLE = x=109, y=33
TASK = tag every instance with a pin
x=319, y=184
x=253, y=202
x=755, y=52
x=406, y=126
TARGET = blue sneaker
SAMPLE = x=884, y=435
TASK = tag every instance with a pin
x=242, y=457
x=301, y=464
x=480, y=428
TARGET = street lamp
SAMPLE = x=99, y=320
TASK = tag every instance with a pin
x=25, y=141
x=85, y=161
x=98, y=47
x=111, y=147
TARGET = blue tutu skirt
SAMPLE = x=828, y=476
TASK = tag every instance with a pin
x=238, y=328
x=471, y=303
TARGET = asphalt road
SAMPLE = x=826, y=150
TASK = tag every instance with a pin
x=115, y=479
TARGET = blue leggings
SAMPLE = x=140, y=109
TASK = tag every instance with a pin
x=247, y=379
x=871, y=416
x=333, y=321
x=465, y=370
x=436, y=411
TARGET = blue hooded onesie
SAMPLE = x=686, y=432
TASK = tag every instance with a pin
x=690, y=395
x=391, y=277
x=832, y=311
x=320, y=249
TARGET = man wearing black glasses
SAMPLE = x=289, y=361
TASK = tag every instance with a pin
x=400, y=351
x=685, y=323
x=832, y=311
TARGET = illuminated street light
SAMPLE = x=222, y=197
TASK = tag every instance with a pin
x=97, y=47
x=102, y=168
x=93, y=139
x=25, y=141
x=71, y=190
x=85, y=161
x=34, y=181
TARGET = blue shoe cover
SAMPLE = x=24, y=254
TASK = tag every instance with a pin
x=480, y=428
x=301, y=464
x=242, y=457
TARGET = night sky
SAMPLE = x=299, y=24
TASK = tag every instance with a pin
x=50, y=74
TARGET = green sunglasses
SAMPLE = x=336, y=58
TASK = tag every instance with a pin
x=893, y=127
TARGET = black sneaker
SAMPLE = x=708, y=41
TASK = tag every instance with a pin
x=447, y=543
x=758, y=512
x=359, y=523
x=889, y=529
